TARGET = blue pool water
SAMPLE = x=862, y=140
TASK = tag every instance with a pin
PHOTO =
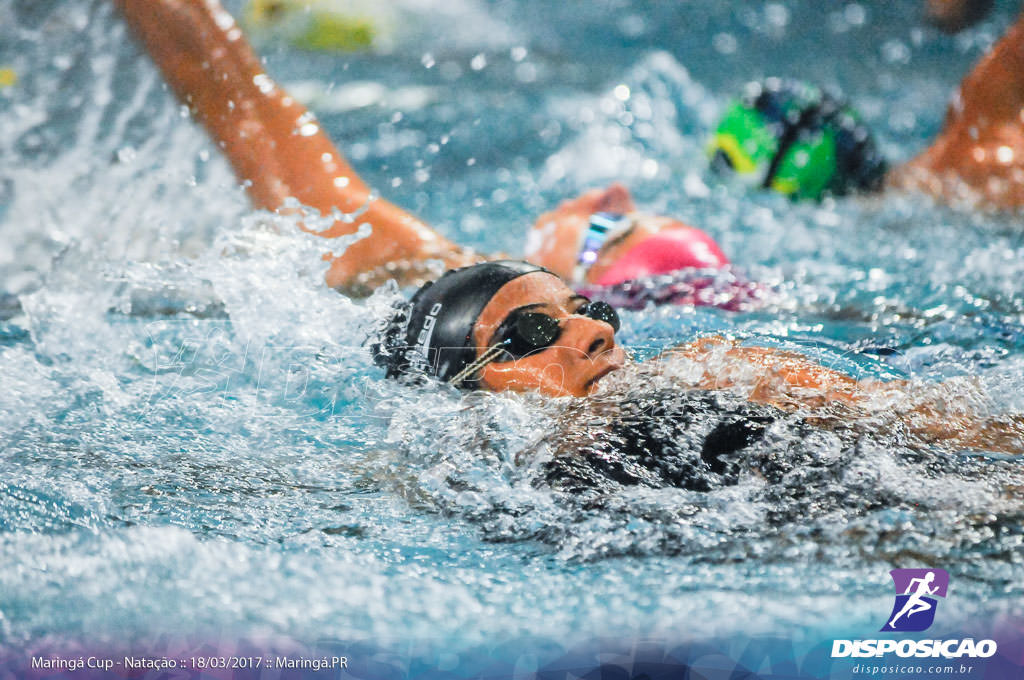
x=195, y=439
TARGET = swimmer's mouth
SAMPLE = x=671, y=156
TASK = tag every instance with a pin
x=600, y=374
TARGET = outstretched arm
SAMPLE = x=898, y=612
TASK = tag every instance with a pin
x=773, y=376
x=273, y=143
x=979, y=155
x=791, y=380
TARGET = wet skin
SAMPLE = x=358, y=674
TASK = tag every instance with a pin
x=583, y=354
x=979, y=156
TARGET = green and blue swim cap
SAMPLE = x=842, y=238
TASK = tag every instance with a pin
x=798, y=140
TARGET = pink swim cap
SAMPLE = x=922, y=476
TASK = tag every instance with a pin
x=666, y=251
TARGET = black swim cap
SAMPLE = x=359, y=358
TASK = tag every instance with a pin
x=432, y=334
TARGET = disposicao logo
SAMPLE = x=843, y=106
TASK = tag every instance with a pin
x=914, y=609
x=912, y=612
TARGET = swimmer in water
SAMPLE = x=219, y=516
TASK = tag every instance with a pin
x=803, y=142
x=914, y=603
x=488, y=323
x=595, y=242
x=798, y=140
x=279, y=151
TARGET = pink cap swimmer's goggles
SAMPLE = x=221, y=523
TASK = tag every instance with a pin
x=665, y=251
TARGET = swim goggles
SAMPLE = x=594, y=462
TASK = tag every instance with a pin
x=602, y=227
x=522, y=333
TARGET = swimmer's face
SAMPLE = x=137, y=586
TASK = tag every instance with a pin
x=554, y=240
x=583, y=353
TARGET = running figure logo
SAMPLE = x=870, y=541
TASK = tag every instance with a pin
x=914, y=609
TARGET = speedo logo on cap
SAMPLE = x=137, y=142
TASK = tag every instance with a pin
x=427, y=331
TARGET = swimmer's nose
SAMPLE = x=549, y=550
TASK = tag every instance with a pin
x=590, y=336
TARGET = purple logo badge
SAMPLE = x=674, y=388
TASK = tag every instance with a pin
x=916, y=590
